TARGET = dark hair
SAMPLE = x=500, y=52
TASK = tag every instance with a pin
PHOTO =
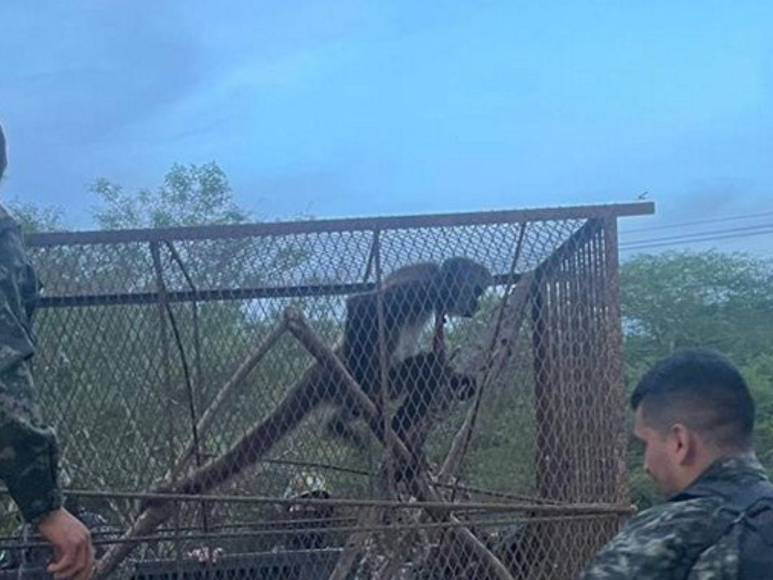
x=701, y=389
x=3, y=153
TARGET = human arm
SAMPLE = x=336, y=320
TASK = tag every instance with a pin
x=71, y=540
x=28, y=448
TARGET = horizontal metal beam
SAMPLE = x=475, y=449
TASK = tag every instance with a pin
x=215, y=295
x=210, y=295
x=234, y=231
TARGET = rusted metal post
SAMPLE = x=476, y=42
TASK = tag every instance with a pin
x=163, y=305
x=615, y=353
x=193, y=385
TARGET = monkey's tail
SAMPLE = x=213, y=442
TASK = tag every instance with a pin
x=302, y=399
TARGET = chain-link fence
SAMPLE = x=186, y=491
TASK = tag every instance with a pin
x=418, y=397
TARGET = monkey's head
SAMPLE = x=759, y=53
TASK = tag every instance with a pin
x=461, y=284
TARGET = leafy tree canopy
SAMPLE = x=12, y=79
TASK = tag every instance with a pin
x=189, y=195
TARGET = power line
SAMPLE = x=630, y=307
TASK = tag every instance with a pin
x=695, y=240
x=692, y=240
x=704, y=233
x=699, y=222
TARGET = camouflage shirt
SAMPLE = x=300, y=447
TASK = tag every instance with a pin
x=682, y=538
x=28, y=450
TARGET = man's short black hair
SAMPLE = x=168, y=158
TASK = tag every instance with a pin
x=702, y=390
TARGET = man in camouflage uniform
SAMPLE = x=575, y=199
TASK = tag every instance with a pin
x=28, y=449
x=695, y=416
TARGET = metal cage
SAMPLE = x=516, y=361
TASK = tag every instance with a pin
x=163, y=351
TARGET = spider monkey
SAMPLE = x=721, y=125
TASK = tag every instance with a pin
x=410, y=296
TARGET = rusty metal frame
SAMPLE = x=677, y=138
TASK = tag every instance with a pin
x=576, y=294
x=222, y=294
x=567, y=260
x=338, y=225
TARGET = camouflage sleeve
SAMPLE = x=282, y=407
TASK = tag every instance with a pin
x=28, y=449
x=660, y=543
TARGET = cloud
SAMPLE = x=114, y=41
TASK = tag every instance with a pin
x=87, y=71
x=468, y=106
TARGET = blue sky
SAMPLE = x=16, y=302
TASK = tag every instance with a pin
x=369, y=108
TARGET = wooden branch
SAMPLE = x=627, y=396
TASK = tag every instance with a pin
x=328, y=360
x=223, y=395
x=353, y=547
x=213, y=474
x=157, y=514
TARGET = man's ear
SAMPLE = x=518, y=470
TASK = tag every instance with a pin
x=682, y=443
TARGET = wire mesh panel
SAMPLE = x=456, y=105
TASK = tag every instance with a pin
x=577, y=370
x=434, y=397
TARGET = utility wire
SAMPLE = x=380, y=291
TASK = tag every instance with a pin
x=698, y=238
x=698, y=222
x=702, y=234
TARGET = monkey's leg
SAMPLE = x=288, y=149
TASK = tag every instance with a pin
x=341, y=425
x=430, y=385
x=421, y=377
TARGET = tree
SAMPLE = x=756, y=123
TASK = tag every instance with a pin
x=189, y=195
x=121, y=409
x=34, y=218
x=681, y=299
x=709, y=299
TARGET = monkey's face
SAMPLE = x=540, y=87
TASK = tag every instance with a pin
x=467, y=300
x=463, y=283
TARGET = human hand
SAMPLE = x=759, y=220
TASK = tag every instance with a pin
x=71, y=540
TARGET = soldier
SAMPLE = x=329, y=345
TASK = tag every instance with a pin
x=28, y=449
x=695, y=416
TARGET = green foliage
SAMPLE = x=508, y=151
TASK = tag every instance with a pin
x=34, y=218
x=759, y=374
x=190, y=195
x=710, y=299
x=669, y=301
x=676, y=300
x=100, y=369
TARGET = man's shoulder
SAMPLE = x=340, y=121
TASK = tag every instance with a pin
x=672, y=518
x=656, y=543
x=665, y=541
